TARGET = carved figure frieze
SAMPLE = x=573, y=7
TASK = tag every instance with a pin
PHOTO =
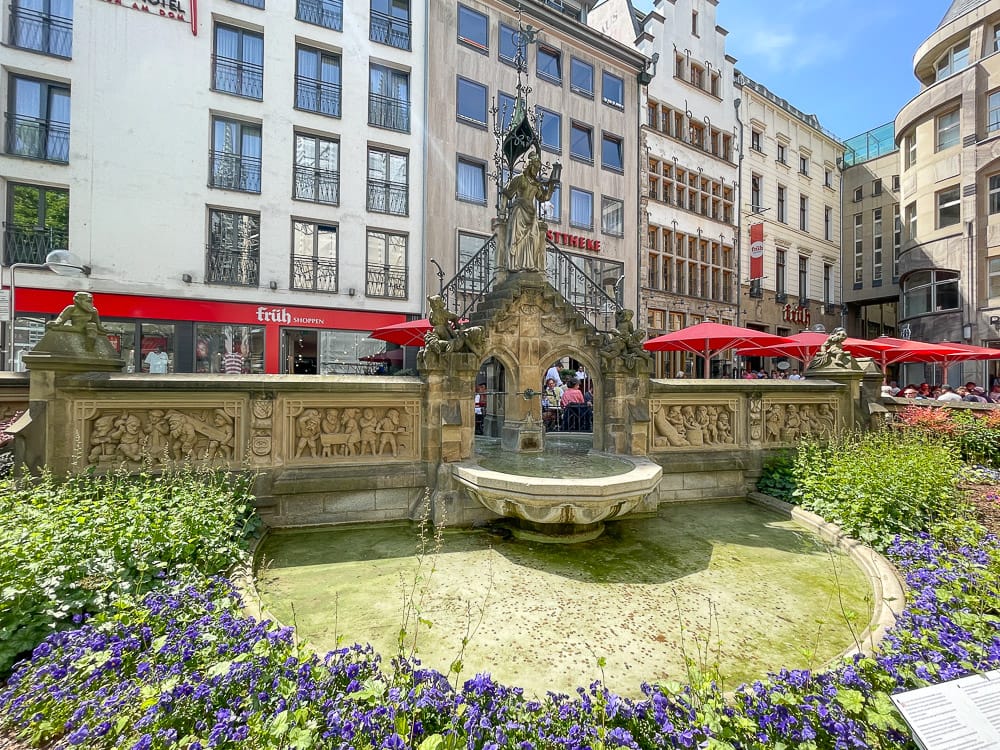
x=349, y=432
x=693, y=425
x=787, y=422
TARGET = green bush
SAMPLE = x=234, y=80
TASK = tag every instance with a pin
x=777, y=477
x=880, y=484
x=67, y=548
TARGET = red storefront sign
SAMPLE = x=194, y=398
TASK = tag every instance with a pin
x=796, y=314
x=573, y=240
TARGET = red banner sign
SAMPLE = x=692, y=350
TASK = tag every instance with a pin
x=756, y=251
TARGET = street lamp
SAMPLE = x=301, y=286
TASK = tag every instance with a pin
x=61, y=262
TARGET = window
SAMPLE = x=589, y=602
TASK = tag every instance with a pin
x=238, y=63
x=581, y=208
x=233, y=248
x=317, y=169
x=859, y=194
x=782, y=210
x=910, y=142
x=803, y=213
x=317, y=81
x=511, y=45
x=468, y=246
x=897, y=239
x=38, y=119
x=390, y=23
x=44, y=26
x=612, y=216
x=994, y=194
x=251, y=3
x=471, y=181
x=827, y=223
x=859, y=250
x=612, y=155
x=388, y=182
x=471, y=106
x=551, y=209
x=828, y=178
x=612, y=90
x=473, y=281
x=756, y=185
x=827, y=284
x=326, y=13
x=895, y=183
x=779, y=273
x=37, y=223
x=911, y=221
x=549, y=65
x=386, y=275
x=755, y=136
x=993, y=274
x=947, y=130
x=996, y=38
x=949, y=209
x=877, y=245
x=803, y=278
x=877, y=187
x=782, y=153
x=804, y=165
x=694, y=23
x=952, y=61
x=581, y=145
x=929, y=291
x=993, y=112
x=473, y=29
x=550, y=129
x=581, y=77
x=389, y=98
x=314, y=256
x=235, y=155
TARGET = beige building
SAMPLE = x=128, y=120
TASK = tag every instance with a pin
x=949, y=144
x=791, y=186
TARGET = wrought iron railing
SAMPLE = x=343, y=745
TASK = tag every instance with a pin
x=386, y=112
x=238, y=77
x=251, y=3
x=473, y=281
x=41, y=32
x=21, y=245
x=314, y=274
x=383, y=280
x=37, y=139
x=234, y=172
x=580, y=290
x=319, y=96
x=317, y=185
x=389, y=198
x=327, y=13
x=386, y=29
x=224, y=266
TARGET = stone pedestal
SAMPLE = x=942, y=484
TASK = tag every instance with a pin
x=524, y=436
x=851, y=409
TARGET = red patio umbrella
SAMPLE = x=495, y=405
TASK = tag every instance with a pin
x=906, y=350
x=964, y=353
x=395, y=356
x=807, y=343
x=706, y=339
x=407, y=333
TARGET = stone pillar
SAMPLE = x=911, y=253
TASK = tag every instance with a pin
x=624, y=422
x=849, y=398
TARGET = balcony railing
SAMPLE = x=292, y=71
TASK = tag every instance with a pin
x=251, y=3
x=41, y=32
x=224, y=266
x=385, y=281
x=317, y=96
x=37, y=139
x=238, y=77
x=317, y=185
x=233, y=172
x=386, y=112
x=385, y=29
x=389, y=198
x=327, y=13
x=22, y=245
x=314, y=274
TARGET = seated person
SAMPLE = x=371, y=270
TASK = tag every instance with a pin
x=574, y=407
x=551, y=400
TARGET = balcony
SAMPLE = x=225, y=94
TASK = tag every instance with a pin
x=223, y=266
x=386, y=112
x=312, y=274
x=389, y=198
x=385, y=29
x=37, y=139
x=385, y=281
x=233, y=172
x=317, y=185
x=22, y=245
x=38, y=31
x=234, y=76
x=326, y=13
x=317, y=96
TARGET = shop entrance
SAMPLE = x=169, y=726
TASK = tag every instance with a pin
x=299, y=351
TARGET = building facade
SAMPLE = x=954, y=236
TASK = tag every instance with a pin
x=790, y=200
x=948, y=136
x=242, y=184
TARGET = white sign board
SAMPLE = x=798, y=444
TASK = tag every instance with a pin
x=4, y=304
x=958, y=715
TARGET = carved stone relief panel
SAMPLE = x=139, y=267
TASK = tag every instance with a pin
x=681, y=424
x=131, y=433
x=350, y=431
x=787, y=421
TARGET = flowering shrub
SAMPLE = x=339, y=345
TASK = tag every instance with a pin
x=977, y=434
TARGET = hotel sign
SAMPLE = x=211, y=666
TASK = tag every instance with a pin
x=174, y=10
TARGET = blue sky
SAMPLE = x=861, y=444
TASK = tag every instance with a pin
x=850, y=62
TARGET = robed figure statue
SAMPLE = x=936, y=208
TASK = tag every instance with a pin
x=525, y=232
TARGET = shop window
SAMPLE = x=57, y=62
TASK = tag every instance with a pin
x=229, y=349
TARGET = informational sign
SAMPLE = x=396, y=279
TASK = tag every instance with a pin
x=958, y=715
x=5, y=304
x=756, y=251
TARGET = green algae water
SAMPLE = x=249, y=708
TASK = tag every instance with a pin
x=726, y=584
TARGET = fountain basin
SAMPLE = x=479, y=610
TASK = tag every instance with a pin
x=562, y=509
